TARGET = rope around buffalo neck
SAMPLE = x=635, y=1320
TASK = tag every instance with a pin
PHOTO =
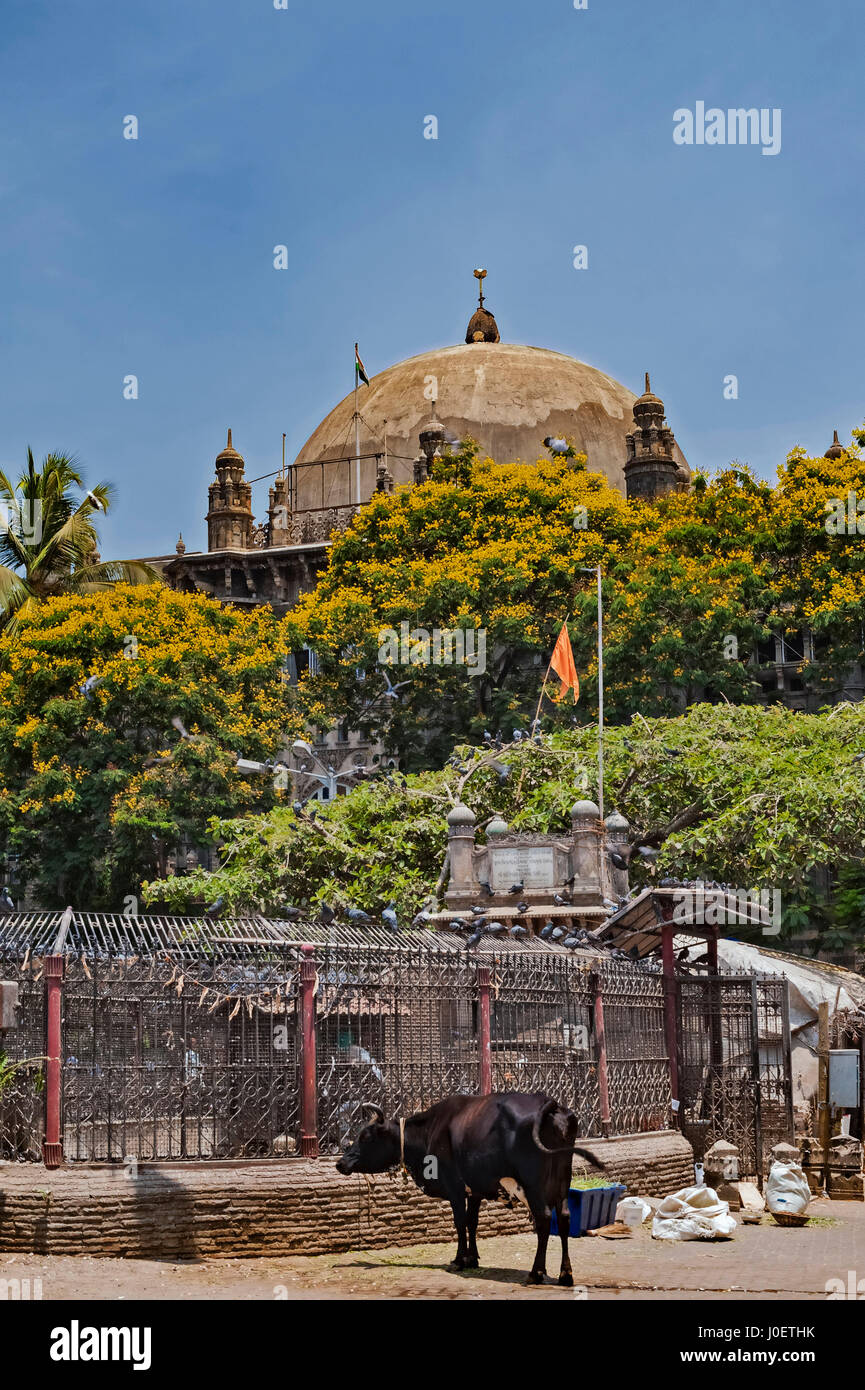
x=402, y=1150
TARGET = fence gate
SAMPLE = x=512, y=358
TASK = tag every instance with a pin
x=734, y=1063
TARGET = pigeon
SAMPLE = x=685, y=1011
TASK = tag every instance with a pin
x=560, y=901
x=571, y=881
x=181, y=729
x=630, y=747
x=297, y=807
x=517, y=736
x=522, y=907
x=556, y=934
x=501, y=770
x=390, y=918
x=6, y=903
x=215, y=907
x=327, y=914
x=634, y=953
x=547, y=931
x=457, y=926
x=617, y=860
x=498, y=739
x=487, y=889
x=358, y=916
x=488, y=738
x=392, y=691
x=89, y=686
x=519, y=932
x=647, y=852
x=610, y=905
x=674, y=752
x=495, y=928
x=420, y=920
x=572, y=942
x=290, y=914
x=473, y=939
x=515, y=888
x=477, y=911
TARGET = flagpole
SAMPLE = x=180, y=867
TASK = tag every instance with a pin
x=356, y=431
x=600, y=697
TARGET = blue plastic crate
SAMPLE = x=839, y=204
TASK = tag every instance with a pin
x=590, y=1208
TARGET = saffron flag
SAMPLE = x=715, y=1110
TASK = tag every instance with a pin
x=359, y=369
x=562, y=662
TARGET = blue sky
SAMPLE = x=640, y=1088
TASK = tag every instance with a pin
x=305, y=127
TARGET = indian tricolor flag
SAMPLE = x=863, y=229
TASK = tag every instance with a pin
x=562, y=662
x=359, y=369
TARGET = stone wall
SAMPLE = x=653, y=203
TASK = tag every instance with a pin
x=290, y=1207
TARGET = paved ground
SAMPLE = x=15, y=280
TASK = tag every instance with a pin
x=763, y=1262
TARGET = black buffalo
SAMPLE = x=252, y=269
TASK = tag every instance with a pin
x=469, y=1149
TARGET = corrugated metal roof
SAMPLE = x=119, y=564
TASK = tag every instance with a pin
x=106, y=933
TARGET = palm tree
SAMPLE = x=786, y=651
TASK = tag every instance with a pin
x=48, y=540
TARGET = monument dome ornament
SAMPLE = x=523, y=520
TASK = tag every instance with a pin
x=482, y=326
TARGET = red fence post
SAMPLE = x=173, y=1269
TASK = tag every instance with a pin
x=484, y=1031
x=308, y=1096
x=670, y=1011
x=52, y=1144
x=603, y=1073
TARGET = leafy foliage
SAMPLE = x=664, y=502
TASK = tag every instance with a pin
x=96, y=785
x=719, y=791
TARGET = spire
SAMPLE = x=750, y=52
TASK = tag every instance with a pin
x=836, y=449
x=651, y=468
x=229, y=516
x=482, y=326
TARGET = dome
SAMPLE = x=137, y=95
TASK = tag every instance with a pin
x=460, y=815
x=616, y=821
x=585, y=809
x=497, y=826
x=506, y=396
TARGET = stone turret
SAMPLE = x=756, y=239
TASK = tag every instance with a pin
x=279, y=512
x=836, y=449
x=229, y=518
x=650, y=468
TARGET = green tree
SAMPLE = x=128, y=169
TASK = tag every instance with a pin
x=97, y=783
x=48, y=540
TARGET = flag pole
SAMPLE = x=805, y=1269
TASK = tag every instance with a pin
x=356, y=432
x=600, y=697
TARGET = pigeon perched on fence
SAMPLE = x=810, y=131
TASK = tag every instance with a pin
x=290, y=914
x=6, y=903
x=390, y=918
x=519, y=932
x=495, y=928
x=358, y=916
x=420, y=920
x=474, y=939
x=327, y=914
x=557, y=933
x=547, y=931
x=215, y=907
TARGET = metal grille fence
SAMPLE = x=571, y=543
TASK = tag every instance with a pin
x=192, y=1051
x=734, y=1062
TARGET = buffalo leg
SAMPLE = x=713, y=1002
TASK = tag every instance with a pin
x=458, y=1206
x=542, y=1227
x=472, y=1257
x=563, y=1215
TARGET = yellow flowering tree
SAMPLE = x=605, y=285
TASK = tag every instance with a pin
x=692, y=583
x=97, y=784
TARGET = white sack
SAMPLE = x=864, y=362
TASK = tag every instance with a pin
x=787, y=1189
x=694, y=1213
